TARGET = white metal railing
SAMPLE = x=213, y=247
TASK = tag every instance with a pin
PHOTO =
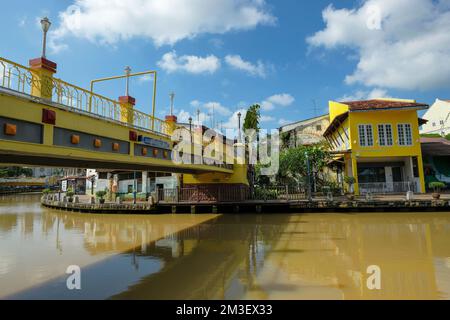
x=21, y=79
x=388, y=187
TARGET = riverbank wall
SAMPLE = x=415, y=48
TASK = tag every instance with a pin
x=254, y=207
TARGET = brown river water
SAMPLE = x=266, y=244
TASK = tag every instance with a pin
x=304, y=256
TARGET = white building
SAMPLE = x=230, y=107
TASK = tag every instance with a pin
x=438, y=117
x=123, y=182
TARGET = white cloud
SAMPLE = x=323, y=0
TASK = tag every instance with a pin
x=145, y=78
x=183, y=117
x=267, y=119
x=171, y=63
x=164, y=22
x=195, y=103
x=236, y=62
x=217, y=108
x=283, y=100
x=408, y=49
x=233, y=121
x=365, y=95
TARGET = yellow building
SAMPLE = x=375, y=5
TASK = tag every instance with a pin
x=378, y=143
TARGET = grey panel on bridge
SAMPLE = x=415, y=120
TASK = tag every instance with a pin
x=26, y=131
x=160, y=154
x=62, y=137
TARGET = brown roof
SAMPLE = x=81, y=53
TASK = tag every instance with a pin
x=382, y=105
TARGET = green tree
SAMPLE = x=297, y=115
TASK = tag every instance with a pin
x=12, y=172
x=251, y=122
x=252, y=118
x=294, y=163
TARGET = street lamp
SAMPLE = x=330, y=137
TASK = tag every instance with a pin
x=308, y=169
x=45, y=24
x=172, y=98
x=127, y=73
x=190, y=128
x=239, y=126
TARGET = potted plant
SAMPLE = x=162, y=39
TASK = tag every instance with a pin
x=70, y=193
x=101, y=196
x=437, y=187
x=350, y=181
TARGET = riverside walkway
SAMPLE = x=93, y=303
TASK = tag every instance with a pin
x=388, y=203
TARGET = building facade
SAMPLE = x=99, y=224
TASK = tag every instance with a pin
x=305, y=132
x=438, y=117
x=378, y=143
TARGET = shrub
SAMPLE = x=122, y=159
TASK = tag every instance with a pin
x=101, y=194
x=46, y=191
x=266, y=194
x=130, y=197
x=437, y=186
x=70, y=193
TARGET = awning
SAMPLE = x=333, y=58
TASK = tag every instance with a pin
x=435, y=147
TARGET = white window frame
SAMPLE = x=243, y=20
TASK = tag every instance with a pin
x=405, y=140
x=385, y=140
x=364, y=139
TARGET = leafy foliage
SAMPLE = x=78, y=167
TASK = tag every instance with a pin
x=70, y=192
x=437, y=186
x=101, y=194
x=252, y=118
x=11, y=172
x=294, y=162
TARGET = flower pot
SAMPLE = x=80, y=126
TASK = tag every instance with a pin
x=70, y=200
x=436, y=196
x=102, y=201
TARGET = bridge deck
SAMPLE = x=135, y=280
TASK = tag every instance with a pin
x=45, y=121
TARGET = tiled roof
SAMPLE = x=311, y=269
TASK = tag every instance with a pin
x=382, y=105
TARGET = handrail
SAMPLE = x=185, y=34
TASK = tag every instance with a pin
x=21, y=79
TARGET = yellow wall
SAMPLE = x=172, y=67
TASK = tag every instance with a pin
x=239, y=176
x=393, y=118
x=374, y=118
x=23, y=109
x=337, y=109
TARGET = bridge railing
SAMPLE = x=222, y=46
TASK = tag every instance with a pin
x=19, y=78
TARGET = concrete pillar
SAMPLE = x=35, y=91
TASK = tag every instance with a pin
x=42, y=73
x=127, y=104
x=144, y=181
x=422, y=186
x=171, y=124
x=42, y=85
x=355, y=174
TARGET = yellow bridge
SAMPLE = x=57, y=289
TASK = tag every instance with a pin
x=45, y=121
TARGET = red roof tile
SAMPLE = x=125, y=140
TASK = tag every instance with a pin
x=382, y=105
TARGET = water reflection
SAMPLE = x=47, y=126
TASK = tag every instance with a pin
x=222, y=257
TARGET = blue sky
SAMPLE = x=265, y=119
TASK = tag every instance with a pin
x=288, y=55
